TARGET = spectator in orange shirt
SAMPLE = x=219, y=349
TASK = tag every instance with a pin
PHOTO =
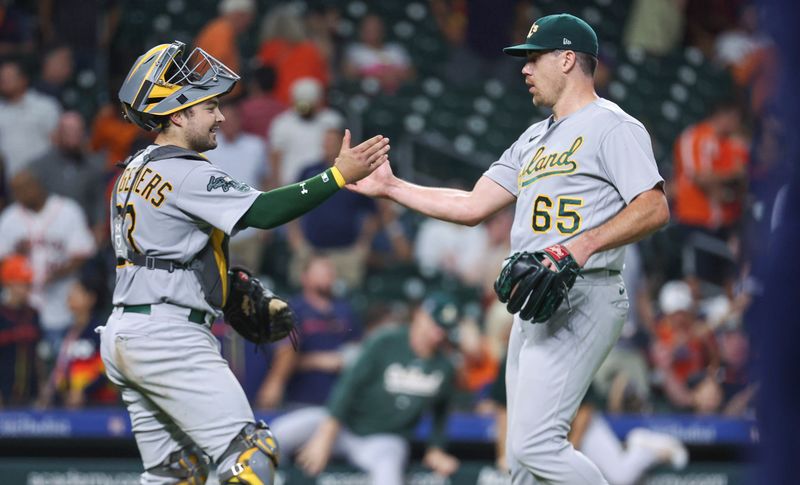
x=218, y=37
x=707, y=190
x=287, y=48
x=683, y=346
x=701, y=170
x=112, y=134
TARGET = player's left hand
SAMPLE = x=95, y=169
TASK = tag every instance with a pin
x=440, y=462
x=578, y=252
x=359, y=161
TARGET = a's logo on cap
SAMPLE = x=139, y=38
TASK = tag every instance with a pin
x=534, y=28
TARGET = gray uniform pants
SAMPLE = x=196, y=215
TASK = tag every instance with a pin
x=176, y=385
x=382, y=456
x=549, y=368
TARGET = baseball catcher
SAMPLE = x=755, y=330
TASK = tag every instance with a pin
x=172, y=214
x=531, y=288
x=255, y=312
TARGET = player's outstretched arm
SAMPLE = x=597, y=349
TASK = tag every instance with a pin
x=279, y=206
x=646, y=213
x=452, y=205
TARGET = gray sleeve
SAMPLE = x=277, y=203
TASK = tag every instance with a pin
x=210, y=194
x=505, y=171
x=627, y=158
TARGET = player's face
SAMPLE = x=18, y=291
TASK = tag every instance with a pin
x=202, y=122
x=434, y=334
x=543, y=77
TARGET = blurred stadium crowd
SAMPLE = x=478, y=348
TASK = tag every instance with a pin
x=431, y=75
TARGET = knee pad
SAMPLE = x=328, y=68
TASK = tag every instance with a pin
x=257, y=457
x=188, y=466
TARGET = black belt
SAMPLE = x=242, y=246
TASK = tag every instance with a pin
x=196, y=316
x=151, y=262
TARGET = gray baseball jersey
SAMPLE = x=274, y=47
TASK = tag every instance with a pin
x=575, y=174
x=568, y=176
x=175, y=207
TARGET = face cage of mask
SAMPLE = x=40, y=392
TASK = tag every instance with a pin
x=198, y=69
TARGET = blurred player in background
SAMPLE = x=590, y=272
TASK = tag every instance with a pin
x=377, y=403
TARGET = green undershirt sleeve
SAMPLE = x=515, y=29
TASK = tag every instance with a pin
x=279, y=206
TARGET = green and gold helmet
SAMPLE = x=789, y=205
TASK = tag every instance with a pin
x=162, y=82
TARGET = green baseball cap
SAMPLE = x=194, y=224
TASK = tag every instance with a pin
x=559, y=31
x=445, y=311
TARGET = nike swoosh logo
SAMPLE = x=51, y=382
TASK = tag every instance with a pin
x=533, y=138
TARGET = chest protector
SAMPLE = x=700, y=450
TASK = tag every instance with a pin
x=210, y=264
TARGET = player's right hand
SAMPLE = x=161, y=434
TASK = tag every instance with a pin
x=357, y=162
x=376, y=184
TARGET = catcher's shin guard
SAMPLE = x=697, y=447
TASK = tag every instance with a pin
x=188, y=466
x=257, y=457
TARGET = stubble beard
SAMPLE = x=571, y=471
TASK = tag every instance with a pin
x=202, y=142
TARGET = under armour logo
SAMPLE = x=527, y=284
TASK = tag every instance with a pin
x=303, y=188
x=567, y=41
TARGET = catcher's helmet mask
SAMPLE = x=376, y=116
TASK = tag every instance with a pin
x=162, y=82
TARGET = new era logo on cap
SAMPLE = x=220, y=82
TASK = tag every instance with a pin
x=567, y=41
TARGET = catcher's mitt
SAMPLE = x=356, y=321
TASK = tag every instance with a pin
x=532, y=289
x=255, y=312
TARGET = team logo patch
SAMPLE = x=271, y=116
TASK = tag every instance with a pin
x=544, y=164
x=533, y=30
x=226, y=184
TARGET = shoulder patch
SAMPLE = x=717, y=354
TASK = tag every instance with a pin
x=226, y=184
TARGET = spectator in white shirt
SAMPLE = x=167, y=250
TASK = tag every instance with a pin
x=27, y=118
x=295, y=136
x=52, y=232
